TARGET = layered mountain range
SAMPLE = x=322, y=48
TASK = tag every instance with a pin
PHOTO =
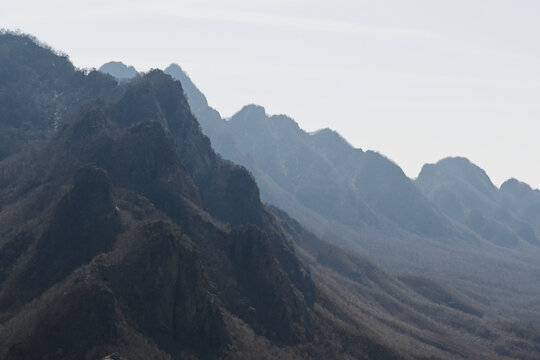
x=124, y=235
x=451, y=224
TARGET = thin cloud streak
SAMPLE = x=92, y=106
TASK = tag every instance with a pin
x=207, y=14
x=302, y=23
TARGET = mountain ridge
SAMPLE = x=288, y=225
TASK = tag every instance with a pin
x=363, y=201
x=124, y=235
x=470, y=197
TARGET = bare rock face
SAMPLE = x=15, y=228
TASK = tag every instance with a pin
x=221, y=183
x=83, y=224
x=74, y=325
x=276, y=304
x=165, y=290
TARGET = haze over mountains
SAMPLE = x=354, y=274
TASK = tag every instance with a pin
x=451, y=224
x=443, y=225
x=124, y=235
x=465, y=193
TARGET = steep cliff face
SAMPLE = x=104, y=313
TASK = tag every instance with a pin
x=220, y=183
x=277, y=305
x=150, y=289
x=83, y=224
x=164, y=288
x=104, y=231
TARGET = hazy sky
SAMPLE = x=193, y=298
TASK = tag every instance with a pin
x=415, y=80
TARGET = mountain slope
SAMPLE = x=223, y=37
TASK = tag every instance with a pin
x=464, y=192
x=39, y=87
x=306, y=173
x=118, y=207
x=123, y=235
x=107, y=208
x=420, y=315
x=363, y=201
x=523, y=201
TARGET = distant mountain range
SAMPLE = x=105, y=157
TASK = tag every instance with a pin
x=452, y=214
x=123, y=235
x=119, y=70
x=364, y=201
x=451, y=223
x=465, y=193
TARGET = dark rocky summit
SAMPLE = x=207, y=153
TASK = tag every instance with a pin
x=131, y=183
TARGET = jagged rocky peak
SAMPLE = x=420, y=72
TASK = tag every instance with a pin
x=516, y=188
x=196, y=98
x=120, y=214
x=176, y=72
x=464, y=192
x=330, y=139
x=286, y=123
x=119, y=70
x=456, y=168
x=327, y=133
x=254, y=117
x=250, y=112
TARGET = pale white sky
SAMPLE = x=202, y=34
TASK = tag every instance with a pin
x=417, y=80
